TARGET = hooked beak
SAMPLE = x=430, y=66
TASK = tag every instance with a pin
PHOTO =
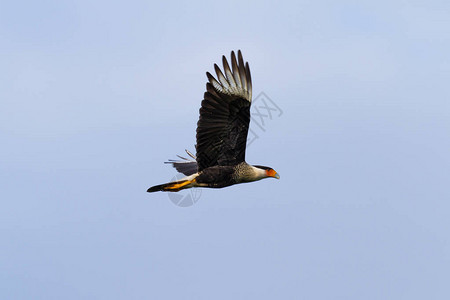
x=272, y=173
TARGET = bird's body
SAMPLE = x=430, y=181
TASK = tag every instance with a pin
x=221, y=134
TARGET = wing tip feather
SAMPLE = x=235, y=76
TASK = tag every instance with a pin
x=236, y=81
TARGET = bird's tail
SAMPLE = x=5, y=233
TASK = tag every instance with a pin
x=173, y=186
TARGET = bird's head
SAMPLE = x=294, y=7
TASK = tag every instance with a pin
x=268, y=172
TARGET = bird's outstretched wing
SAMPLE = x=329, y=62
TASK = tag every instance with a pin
x=225, y=115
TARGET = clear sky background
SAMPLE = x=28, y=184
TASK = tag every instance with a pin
x=96, y=95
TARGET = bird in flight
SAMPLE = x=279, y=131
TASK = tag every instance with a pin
x=221, y=134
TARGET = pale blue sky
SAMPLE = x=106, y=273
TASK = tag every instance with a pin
x=94, y=96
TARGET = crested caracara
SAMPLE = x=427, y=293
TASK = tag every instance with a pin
x=221, y=134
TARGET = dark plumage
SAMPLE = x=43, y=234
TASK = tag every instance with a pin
x=221, y=133
x=186, y=166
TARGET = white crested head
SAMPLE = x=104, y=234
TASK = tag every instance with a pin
x=265, y=172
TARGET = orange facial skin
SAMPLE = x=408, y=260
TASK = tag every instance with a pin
x=272, y=173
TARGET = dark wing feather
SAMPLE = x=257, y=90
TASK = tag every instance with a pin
x=187, y=166
x=225, y=115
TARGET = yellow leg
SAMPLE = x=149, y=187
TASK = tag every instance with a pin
x=176, y=186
